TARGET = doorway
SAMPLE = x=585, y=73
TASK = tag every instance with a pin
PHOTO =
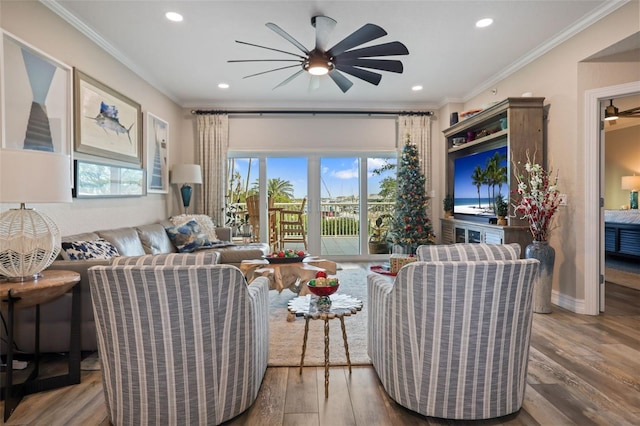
x=595, y=102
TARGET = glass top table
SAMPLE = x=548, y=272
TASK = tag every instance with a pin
x=341, y=305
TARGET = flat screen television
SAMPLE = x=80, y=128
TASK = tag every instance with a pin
x=478, y=178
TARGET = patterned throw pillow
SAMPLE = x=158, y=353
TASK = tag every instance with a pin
x=85, y=250
x=188, y=237
x=206, y=224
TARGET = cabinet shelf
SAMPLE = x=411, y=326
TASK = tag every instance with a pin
x=485, y=139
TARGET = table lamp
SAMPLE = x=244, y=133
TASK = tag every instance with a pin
x=632, y=183
x=186, y=174
x=30, y=240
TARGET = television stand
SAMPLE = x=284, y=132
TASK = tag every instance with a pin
x=462, y=231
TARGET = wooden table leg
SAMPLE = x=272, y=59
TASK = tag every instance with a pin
x=346, y=345
x=304, y=342
x=326, y=358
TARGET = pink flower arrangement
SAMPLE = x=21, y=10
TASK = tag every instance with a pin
x=538, y=199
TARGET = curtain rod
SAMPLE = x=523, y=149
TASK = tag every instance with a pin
x=310, y=112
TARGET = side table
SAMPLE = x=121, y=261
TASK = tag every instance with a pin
x=341, y=305
x=19, y=295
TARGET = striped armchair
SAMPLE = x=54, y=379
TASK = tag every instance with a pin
x=450, y=339
x=179, y=343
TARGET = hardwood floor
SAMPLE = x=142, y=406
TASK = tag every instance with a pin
x=583, y=370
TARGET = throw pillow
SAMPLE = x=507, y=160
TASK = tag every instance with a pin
x=187, y=237
x=206, y=224
x=85, y=250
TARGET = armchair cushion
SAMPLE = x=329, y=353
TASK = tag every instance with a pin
x=429, y=253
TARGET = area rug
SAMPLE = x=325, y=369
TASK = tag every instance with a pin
x=285, y=338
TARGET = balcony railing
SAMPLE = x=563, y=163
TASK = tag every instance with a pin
x=337, y=218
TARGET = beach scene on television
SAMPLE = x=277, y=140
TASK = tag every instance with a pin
x=478, y=179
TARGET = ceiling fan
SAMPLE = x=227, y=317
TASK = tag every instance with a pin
x=611, y=113
x=339, y=59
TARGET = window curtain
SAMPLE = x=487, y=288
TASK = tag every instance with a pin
x=213, y=143
x=417, y=128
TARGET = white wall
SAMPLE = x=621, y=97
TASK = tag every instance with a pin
x=38, y=26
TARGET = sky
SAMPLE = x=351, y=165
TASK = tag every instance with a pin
x=339, y=175
x=463, y=186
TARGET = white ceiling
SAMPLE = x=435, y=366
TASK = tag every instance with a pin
x=451, y=58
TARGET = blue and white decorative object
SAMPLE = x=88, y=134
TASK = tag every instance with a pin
x=186, y=174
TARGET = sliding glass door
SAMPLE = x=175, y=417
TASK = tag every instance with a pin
x=336, y=218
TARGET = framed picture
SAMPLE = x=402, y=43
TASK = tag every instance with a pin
x=157, y=163
x=36, y=99
x=107, y=123
x=96, y=180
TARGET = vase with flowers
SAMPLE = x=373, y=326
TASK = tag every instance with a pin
x=537, y=201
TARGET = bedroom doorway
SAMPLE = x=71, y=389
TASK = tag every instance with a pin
x=594, y=190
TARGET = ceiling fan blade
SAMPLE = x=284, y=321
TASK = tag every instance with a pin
x=343, y=82
x=363, y=35
x=387, y=49
x=288, y=79
x=287, y=37
x=314, y=83
x=270, y=48
x=323, y=25
x=368, y=76
x=376, y=64
x=265, y=60
x=275, y=69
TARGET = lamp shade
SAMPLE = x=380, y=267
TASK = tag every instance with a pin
x=28, y=176
x=29, y=240
x=186, y=173
x=631, y=183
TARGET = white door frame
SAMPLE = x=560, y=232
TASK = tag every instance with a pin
x=592, y=189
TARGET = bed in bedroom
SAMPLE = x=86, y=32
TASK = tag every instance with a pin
x=622, y=233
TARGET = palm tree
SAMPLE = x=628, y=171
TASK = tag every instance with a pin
x=280, y=191
x=477, y=179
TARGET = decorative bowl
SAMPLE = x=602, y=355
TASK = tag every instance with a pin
x=322, y=291
x=275, y=259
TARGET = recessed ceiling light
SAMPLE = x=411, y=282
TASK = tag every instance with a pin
x=173, y=16
x=223, y=86
x=484, y=22
x=416, y=88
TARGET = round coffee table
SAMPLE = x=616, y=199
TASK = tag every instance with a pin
x=341, y=305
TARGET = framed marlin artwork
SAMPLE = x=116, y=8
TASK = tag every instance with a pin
x=157, y=149
x=107, y=123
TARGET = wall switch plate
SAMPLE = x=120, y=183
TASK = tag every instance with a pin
x=563, y=199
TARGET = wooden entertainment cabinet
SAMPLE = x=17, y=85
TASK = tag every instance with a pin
x=523, y=136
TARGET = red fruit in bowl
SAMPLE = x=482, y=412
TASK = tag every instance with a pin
x=321, y=274
x=280, y=253
x=301, y=253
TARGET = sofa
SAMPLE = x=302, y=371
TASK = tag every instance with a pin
x=128, y=241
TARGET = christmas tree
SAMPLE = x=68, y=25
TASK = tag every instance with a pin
x=411, y=227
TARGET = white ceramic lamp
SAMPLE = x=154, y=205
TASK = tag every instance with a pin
x=186, y=174
x=30, y=240
x=632, y=183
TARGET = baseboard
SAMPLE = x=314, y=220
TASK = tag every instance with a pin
x=567, y=302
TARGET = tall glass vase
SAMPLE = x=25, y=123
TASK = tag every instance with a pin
x=542, y=251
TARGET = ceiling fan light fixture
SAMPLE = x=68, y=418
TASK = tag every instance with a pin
x=318, y=66
x=610, y=112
